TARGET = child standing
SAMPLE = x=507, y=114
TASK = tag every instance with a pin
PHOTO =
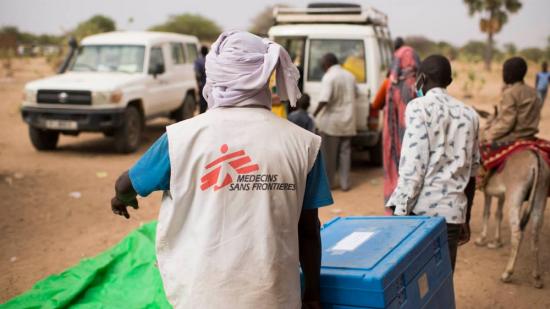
x=300, y=116
x=543, y=78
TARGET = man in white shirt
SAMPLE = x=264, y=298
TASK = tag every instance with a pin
x=439, y=156
x=336, y=118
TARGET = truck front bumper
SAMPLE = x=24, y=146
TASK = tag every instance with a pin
x=79, y=120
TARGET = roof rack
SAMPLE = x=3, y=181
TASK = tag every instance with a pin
x=335, y=15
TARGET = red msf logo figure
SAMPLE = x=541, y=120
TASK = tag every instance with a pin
x=237, y=160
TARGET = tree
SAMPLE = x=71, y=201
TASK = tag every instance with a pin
x=192, y=24
x=494, y=15
x=264, y=20
x=96, y=24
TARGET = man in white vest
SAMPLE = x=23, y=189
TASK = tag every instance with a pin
x=241, y=189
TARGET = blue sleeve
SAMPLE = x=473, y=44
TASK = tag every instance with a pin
x=317, y=192
x=152, y=171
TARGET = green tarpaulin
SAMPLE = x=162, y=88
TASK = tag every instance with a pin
x=124, y=276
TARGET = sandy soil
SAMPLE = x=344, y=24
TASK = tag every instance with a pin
x=45, y=230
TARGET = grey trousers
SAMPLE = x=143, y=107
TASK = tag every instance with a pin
x=337, y=153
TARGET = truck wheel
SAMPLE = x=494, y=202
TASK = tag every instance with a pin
x=375, y=153
x=43, y=139
x=128, y=136
x=187, y=108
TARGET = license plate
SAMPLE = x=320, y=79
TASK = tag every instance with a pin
x=61, y=124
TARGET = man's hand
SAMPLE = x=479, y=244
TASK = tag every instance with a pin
x=119, y=207
x=465, y=234
x=319, y=108
x=125, y=196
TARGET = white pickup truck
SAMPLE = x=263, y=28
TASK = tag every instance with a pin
x=360, y=39
x=114, y=83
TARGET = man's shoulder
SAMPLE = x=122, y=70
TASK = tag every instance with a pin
x=295, y=130
x=418, y=103
x=467, y=110
x=187, y=124
x=520, y=92
x=341, y=72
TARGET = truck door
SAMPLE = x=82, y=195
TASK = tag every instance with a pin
x=352, y=57
x=158, y=84
x=179, y=74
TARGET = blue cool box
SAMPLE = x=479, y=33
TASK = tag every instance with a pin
x=386, y=262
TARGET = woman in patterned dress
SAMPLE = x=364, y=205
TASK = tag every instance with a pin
x=399, y=92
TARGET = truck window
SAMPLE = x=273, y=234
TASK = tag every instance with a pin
x=108, y=58
x=155, y=58
x=178, y=56
x=295, y=47
x=191, y=52
x=350, y=54
x=383, y=54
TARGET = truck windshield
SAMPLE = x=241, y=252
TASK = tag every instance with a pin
x=350, y=54
x=109, y=58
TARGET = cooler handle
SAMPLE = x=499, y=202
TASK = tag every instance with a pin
x=437, y=250
x=401, y=291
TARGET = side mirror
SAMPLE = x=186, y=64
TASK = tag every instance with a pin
x=157, y=69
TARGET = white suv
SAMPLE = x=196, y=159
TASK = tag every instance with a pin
x=114, y=83
x=361, y=41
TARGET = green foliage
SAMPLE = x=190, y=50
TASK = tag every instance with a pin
x=510, y=49
x=425, y=47
x=475, y=81
x=193, y=24
x=96, y=24
x=473, y=51
x=29, y=38
x=533, y=54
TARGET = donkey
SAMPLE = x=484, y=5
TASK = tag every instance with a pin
x=524, y=178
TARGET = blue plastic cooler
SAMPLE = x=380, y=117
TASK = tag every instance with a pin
x=386, y=262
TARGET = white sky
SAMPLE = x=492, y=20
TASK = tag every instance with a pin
x=436, y=19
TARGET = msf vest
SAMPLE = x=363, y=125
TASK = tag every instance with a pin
x=227, y=235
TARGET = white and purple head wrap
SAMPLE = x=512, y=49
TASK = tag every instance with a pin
x=238, y=68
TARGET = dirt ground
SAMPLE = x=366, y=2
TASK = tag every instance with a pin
x=45, y=229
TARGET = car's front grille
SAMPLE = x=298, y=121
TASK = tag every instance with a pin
x=81, y=97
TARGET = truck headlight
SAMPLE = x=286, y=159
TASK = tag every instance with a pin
x=29, y=96
x=107, y=97
x=116, y=96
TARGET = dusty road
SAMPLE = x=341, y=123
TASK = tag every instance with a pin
x=45, y=230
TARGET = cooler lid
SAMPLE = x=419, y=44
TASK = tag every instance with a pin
x=360, y=243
